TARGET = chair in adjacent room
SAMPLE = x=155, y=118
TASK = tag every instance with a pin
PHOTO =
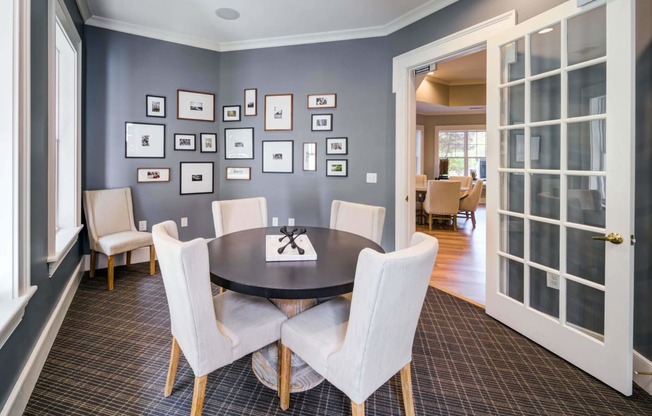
x=466, y=181
x=211, y=331
x=239, y=214
x=442, y=201
x=364, y=220
x=111, y=228
x=359, y=344
x=421, y=187
x=469, y=204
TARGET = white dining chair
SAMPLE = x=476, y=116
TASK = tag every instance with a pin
x=469, y=204
x=112, y=230
x=442, y=201
x=359, y=344
x=234, y=215
x=211, y=331
x=465, y=181
x=364, y=220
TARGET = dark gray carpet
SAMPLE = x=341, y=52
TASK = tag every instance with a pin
x=111, y=355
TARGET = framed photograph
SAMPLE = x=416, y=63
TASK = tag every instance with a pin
x=196, y=178
x=278, y=156
x=310, y=156
x=155, y=106
x=208, y=142
x=278, y=112
x=153, y=175
x=337, y=146
x=338, y=167
x=239, y=174
x=239, y=143
x=251, y=102
x=144, y=140
x=322, y=122
x=322, y=100
x=184, y=141
x=231, y=113
x=193, y=105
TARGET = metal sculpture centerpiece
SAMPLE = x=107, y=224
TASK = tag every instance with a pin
x=291, y=236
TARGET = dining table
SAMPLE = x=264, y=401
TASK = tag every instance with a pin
x=238, y=262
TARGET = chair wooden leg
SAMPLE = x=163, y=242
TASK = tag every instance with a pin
x=473, y=218
x=406, y=387
x=128, y=258
x=357, y=409
x=109, y=267
x=430, y=222
x=198, y=395
x=172, y=368
x=152, y=260
x=284, y=376
x=91, y=272
x=454, y=224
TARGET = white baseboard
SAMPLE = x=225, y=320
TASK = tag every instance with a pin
x=642, y=364
x=140, y=255
x=24, y=386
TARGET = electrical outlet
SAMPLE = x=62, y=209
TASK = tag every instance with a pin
x=372, y=177
x=290, y=222
x=184, y=221
x=142, y=225
x=552, y=280
x=274, y=221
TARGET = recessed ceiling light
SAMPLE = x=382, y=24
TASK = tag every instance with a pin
x=227, y=13
x=546, y=30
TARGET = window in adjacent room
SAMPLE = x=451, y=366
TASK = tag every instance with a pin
x=465, y=147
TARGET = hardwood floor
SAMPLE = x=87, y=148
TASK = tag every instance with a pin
x=461, y=261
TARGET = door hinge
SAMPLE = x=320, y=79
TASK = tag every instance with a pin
x=632, y=239
x=406, y=198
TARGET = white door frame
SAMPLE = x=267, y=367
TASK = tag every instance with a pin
x=403, y=85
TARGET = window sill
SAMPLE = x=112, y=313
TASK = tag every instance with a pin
x=11, y=313
x=65, y=239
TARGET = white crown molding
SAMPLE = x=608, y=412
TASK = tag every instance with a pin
x=147, y=32
x=304, y=39
x=84, y=10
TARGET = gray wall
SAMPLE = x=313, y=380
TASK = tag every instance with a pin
x=16, y=350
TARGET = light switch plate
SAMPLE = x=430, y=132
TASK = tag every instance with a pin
x=274, y=221
x=184, y=221
x=290, y=222
x=372, y=178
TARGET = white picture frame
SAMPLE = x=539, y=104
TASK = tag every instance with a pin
x=239, y=143
x=278, y=156
x=144, y=140
x=278, y=112
x=196, y=178
x=194, y=105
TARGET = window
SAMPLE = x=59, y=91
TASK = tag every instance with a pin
x=15, y=288
x=419, y=149
x=465, y=147
x=64, y=217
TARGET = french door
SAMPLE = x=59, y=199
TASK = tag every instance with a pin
x=560, y=115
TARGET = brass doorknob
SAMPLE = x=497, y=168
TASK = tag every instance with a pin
x=613, y=238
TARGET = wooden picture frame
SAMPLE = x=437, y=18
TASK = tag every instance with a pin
x=309, y=157
x=149, y=175
x=195, y=105
x=251, y=102
x=327, y=100
x=278, y=112
x=238, y=173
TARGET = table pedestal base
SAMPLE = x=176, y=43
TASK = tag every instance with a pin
x=264, y=362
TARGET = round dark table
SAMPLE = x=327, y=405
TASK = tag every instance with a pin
x=238, y=263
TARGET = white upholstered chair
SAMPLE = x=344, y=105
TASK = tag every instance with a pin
x=211, y=331
x=364, y=220
x=469, y=204
x=239, y=214
x=359, y=344
x=466, y=181
x=442, y=201
x=111, y=228
x=421, y=182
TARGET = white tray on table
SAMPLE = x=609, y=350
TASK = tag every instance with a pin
x=289, y=254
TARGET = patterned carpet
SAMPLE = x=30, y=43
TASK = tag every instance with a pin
x=111, y=355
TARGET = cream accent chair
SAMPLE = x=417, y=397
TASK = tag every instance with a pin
x=211, y=331
x=469, y=204
x=111, y=228
x=442, y=201
x=239, y=214
x=364, y=220
x=466, y=181
x=359, y=344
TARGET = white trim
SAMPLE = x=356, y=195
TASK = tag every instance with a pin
x=642, y=364
x=460, y=43
x=459, y=127
x=84, y=10
x=11, y=313
x=66, y=239
x=140, y=255
x=22, y=390
x=308, y=38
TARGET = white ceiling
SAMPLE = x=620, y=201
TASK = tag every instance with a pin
x=262, y=23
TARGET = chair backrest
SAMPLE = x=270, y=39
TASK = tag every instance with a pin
x=442, y=197
x=466, y=181
x=470, y=203
x=387, y=299
x=421, y=181
x=186, y=277
x=364, y=220
x=108, y=211
x=239, y=214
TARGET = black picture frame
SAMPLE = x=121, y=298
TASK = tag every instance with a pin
x=188, y=173
x=181, y=146
x=202, y=143
x=151, y=107
x=332, y=144
x=278, y=156
x=344, y=168
x=231, y=113
x=318, y=119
